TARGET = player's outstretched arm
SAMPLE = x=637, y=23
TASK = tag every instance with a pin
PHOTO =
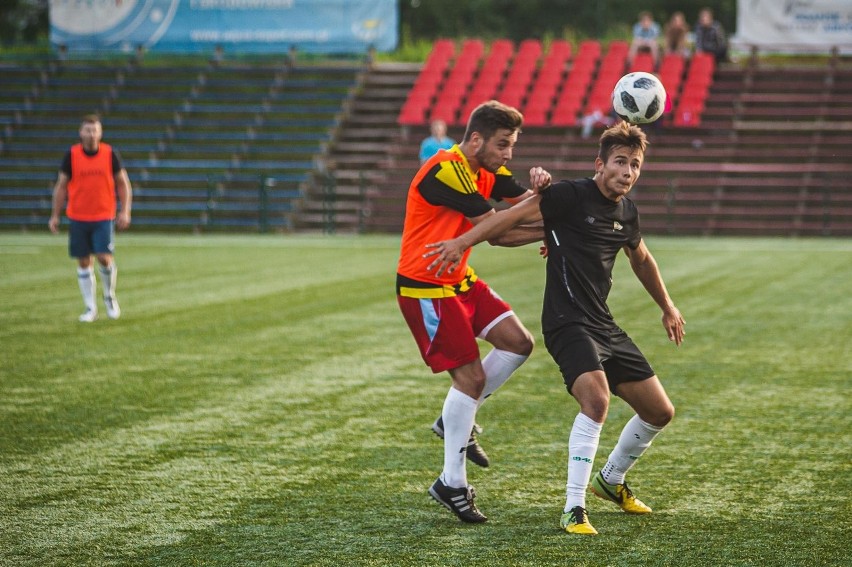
x=488, y=226
x=647, y=271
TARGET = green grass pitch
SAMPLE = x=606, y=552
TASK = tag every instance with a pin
x=261, y=402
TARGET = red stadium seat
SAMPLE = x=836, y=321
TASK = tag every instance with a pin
x=564, y=115
x=687, y=116
x=589, y=49
x=512, y=97
x=619, y=47
x=492, y=71
x=671, y=74
x=448, y=112
x=412, y=115
x=560, y=50
x=643, y=62
x=536, y=116
x=673, y=63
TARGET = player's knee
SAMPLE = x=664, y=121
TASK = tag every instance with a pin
x=596, y=408
x=662, y=416
x=525, y=344
x=595, y=405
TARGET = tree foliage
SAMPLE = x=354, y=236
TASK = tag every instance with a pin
x=517, y=20
x=27, y=20
x=23, y=20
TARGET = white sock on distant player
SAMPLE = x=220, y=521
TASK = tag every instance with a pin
x=459, y=413
x=109, y=275
x=499, y=366
x=635, y=439
x=86, y=279
x=582, y=446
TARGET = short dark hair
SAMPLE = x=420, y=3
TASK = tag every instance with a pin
x=622, y=134
x=491, y=116
x=91, y=119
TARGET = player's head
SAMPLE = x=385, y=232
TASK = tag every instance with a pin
x=619, y=161
x=489, y=117
x=91, y=131
x=622, y=134
x=438, y=128
x=492, y=131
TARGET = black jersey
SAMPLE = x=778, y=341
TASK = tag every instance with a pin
x=584, y=232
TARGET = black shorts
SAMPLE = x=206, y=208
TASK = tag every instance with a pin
x=577, y=349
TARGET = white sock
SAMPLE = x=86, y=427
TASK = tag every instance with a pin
x=86, y=279
x=459, y=413
x=582, y=446
x=635, y=439
x=109, y=275
x=499, y=366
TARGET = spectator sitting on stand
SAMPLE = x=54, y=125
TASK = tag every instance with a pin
x=710, y=36
x=646, y=35
x=437, y=141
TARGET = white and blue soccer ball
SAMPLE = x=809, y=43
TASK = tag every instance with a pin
x=639, y=98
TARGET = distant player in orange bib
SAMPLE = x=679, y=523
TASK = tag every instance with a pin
x=447, y=313
x=89, y=178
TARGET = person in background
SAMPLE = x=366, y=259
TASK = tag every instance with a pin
x=676, y=33
x=447, y=313
x=710, y=36
x=587, y=223
x=437, y=141
x=646, y=36
x=90, y=176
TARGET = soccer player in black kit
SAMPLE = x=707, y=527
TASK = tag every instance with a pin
x=586, y=223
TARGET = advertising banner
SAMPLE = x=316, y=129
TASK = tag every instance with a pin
x=794, y=25
x=238, y=26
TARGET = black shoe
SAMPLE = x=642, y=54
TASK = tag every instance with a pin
x=474, y=451
x=459, y=501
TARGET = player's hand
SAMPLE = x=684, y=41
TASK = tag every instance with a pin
x=673, y=323
x=53, y=224
x=542, y=250
x=449, y=254
x=122, y=221
x=539, y=179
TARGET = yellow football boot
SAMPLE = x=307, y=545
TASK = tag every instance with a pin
x=577, y=522
x=620, y=494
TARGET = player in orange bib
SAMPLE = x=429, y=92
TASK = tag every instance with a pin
x=90, y=176
x=447, y=313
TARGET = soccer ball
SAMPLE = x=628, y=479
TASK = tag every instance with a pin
x=639, y=98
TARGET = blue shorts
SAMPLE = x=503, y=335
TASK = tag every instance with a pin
x=90, y=237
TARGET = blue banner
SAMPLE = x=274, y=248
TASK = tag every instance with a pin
x=238, y=26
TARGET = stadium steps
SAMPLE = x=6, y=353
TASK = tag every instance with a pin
x=207, y=147
x=767, y=158
x=343, y=196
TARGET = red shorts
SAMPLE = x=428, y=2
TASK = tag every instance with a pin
x=446, y=328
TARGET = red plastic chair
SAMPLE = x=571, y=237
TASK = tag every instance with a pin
x=643, y=62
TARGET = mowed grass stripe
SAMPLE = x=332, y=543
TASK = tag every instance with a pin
x=278, y=413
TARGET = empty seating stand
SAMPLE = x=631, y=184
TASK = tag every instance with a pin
x=571, y=97
x=520, y=75
x=489, y=78
x=207, y=147
x=422, y=93
x=453, y=91
x=539, y=103
x=696, y=86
